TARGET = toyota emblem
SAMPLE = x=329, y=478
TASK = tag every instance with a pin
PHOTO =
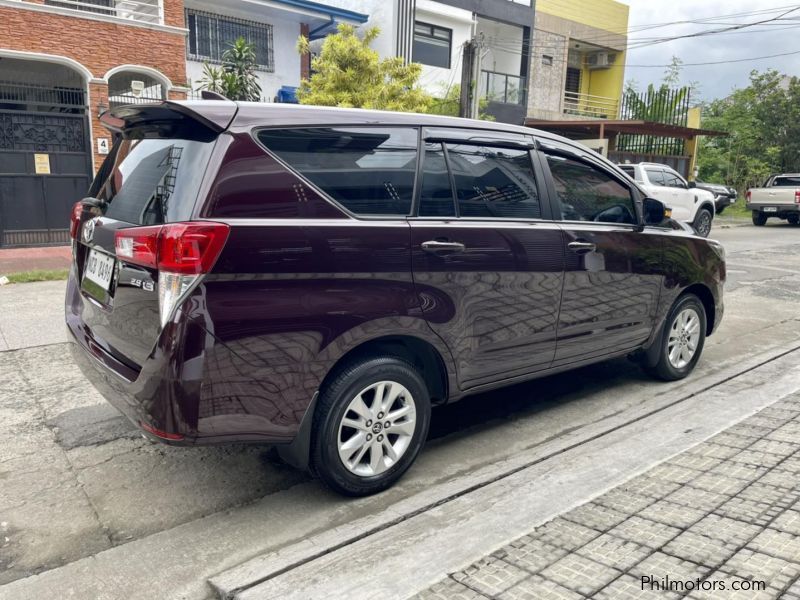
x=88, y=230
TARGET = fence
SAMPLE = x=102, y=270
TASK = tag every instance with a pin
x=659, y=105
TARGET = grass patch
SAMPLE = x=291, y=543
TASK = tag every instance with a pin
x=737, y=210
x=31, y=276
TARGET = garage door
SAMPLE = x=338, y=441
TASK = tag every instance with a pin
x=45, y=162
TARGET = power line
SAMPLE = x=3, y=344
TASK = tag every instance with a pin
x=718, y=62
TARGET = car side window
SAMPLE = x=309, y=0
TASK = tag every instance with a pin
x=656, y=176
x=436, y=194
x=588, y=193
x=494, y=182
x=369, y=170
x=674, y=181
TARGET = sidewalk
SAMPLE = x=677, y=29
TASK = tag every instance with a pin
x=725, y=513
x=18, y=260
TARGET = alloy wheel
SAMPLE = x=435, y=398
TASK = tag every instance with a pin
x=704, y=223
x=376, y=428
x=684, y=336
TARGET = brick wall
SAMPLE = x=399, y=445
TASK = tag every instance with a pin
x=99, y=46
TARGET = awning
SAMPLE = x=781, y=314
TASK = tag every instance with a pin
x=600, y=128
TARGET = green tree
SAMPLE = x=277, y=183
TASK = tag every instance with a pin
x=450, y=102
x=763, y=123
x=349, y=73
x=236, y=78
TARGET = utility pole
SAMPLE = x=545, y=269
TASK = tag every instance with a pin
x=470, y=77
x=468, y=58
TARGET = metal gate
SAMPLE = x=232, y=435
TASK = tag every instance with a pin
x=45, y=167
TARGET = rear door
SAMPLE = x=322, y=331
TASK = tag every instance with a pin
x=612, y=267
x=151, y=182
x=487, y=260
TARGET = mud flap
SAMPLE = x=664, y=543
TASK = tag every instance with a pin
x=297, y=453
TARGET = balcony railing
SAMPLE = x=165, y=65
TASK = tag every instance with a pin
x=502, y=87
x=145, y=11
x=587, y=105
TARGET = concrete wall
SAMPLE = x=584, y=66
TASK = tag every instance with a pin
x=597, y=25
x=546, y=89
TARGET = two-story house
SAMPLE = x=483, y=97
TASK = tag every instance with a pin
x=62, y=63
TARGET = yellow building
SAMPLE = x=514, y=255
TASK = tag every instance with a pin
x=578, y=59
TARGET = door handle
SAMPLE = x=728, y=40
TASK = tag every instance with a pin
x=440, y=248
x=582, y=247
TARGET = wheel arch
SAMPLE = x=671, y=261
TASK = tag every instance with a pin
x=414, y=349
x=417, y=351
x=707, y=299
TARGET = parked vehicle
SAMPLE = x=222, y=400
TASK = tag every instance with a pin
x=688, y=203
x=319, y=278
x=779, y=198
x=724, y=196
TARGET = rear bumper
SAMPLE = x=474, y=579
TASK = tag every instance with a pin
x=781, y=208
x=168, y=397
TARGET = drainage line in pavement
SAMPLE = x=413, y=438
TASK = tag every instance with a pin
x=232, y=594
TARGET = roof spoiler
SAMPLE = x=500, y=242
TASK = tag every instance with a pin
x=189, y=119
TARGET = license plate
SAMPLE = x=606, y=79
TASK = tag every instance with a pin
x=99, y=269
x=770, y=209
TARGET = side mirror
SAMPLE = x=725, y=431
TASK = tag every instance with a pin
x=655, y=211
x=692, y=184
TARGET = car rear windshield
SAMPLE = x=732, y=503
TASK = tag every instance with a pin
x=786, y=182
x=153, y=181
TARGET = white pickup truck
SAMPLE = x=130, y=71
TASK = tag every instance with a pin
x=780, y=198
x=689, y=203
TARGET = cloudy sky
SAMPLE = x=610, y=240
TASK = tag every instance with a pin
x=715, y=80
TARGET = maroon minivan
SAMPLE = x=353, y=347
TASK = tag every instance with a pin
x=318, y=278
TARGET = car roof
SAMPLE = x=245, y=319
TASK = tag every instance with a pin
x=252, y=114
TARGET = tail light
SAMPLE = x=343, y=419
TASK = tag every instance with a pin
x=797, y=196
x=75, y=220
x=179, y=251
x=748, y=195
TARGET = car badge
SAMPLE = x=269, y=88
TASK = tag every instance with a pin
x=88, y=230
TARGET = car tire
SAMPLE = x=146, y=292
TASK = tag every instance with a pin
x=350, y=425
x=793, y=219
x=682, y=340
x=759, y=218
x=702, y=222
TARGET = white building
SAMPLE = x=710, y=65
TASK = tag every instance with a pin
x=274, y=26
x=431, y=32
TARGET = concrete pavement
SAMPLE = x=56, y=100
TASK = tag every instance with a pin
x=32, y=314
x=93, y=510
x=637, y=527
x=721, y=520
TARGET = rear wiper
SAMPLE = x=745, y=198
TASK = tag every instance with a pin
x=96, y=206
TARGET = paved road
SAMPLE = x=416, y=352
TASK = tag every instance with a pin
x=87, y=505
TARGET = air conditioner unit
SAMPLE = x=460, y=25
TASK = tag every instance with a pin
x=600, y=60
